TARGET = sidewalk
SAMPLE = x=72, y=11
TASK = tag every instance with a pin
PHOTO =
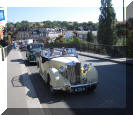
x=103, y=57
x=20, y=92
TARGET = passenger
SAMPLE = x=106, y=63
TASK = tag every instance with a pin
x=64, y=51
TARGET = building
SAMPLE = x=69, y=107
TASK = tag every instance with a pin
x=23, y=35
x=129, y=11
x=81, y=34
x=68, y=34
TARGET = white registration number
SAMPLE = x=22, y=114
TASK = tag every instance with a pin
x=79, y=89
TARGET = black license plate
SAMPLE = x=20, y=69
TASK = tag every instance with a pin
x=79, y=89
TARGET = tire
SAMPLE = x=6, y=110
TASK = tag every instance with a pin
x=28, y=61
x=48, y=80
x=93, y=88
x=90, y=89
x=52, y=91
x=37, y=64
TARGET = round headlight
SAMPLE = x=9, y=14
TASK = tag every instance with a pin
x=62, y=69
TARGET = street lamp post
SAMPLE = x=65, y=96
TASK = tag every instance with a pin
x=123, y=12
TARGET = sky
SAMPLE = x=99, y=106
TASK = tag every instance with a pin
x=65, y=13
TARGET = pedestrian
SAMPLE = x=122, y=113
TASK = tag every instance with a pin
x=14, y=44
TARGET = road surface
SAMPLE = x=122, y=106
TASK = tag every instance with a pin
x=110, y=93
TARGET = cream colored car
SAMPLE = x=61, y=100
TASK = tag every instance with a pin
x=61, y=70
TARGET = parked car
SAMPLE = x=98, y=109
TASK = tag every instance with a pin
x=33, y=51
x=61, y=70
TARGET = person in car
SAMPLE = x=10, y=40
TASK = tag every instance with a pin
x=51, y=51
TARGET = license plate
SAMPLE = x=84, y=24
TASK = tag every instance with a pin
x=79, y=89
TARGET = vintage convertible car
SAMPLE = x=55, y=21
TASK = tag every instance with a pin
x=33, y=52
x=61, y=70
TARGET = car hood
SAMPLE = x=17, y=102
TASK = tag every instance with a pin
x=66, y=60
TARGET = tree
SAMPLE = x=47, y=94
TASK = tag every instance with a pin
x=90, y=37
x=129, y=40
x=106, y=21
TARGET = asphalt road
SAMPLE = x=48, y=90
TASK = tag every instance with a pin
x=110, y=93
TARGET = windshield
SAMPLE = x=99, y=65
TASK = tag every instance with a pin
x=54, y=52
x=36, y=46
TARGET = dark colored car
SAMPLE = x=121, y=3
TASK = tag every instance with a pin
x=33, y=51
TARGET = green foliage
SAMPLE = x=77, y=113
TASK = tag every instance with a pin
x=57, y=41
x=77, y=40
x=130, y=38
x=130, y=46
x=90, y=37
x=0, y=46
x=106, y=22
x=74, y=40
x=119, y=41
x=54, y=24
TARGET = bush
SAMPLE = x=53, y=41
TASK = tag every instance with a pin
x=0, y=46
x=90, y=37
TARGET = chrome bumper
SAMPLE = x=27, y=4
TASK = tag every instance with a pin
x=84, y=85
x=32, y=61
x=76, y=86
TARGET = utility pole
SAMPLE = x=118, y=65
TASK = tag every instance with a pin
x=123, y=22
x=123, y=12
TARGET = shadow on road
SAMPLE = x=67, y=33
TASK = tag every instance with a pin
x=44, y=95
x=109, y=93
x=24, y=81
x=29, y=64
x=21, y=61
x=96, y=60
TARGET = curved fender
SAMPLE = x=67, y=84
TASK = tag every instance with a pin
x=92, y=75
x=56, y=78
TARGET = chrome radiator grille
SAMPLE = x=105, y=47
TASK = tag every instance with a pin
x=73, y=73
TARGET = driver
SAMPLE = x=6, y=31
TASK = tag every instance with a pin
x=51, y=51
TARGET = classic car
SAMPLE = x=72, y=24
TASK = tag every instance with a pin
x=33, y=52
x=61, y=70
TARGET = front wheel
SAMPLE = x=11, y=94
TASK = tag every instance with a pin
x=53, y=92
x=91, y=89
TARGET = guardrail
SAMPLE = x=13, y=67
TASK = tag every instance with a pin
x=4, y=52
x=113, y=51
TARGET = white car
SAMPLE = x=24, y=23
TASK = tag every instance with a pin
x=61, y=70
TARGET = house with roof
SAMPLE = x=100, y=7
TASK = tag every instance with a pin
x=129, y=11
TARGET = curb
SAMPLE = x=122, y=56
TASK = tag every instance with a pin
x=124, y=62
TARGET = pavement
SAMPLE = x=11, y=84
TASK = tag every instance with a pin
x=20, y=91
x=105, y=57
x=110, y=93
